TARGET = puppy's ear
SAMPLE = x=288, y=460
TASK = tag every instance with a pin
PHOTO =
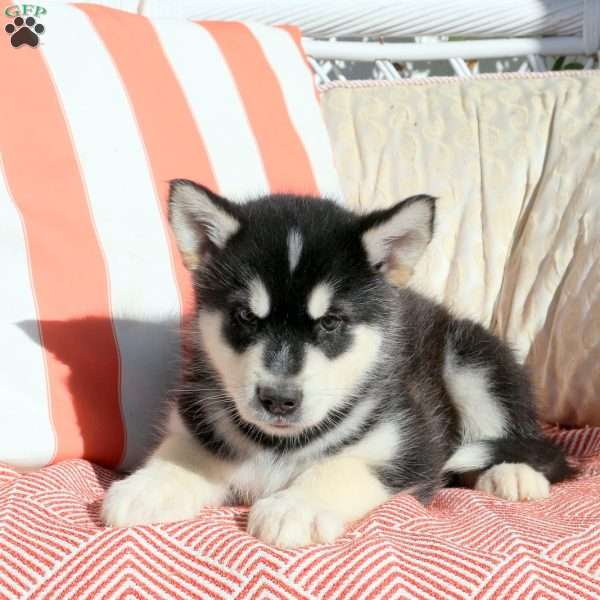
x=395, y=238
x=200, y=219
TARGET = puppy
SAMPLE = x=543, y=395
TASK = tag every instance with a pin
x=315, y=389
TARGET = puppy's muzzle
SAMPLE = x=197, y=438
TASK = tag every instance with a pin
x=279, y=401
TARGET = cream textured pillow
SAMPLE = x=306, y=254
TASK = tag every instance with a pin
x=515, y=162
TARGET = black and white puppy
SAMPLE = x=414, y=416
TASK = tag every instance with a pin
x=315, y=389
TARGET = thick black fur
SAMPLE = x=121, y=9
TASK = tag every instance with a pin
x=407, y=382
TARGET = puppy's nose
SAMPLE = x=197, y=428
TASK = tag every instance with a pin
x=279, y=401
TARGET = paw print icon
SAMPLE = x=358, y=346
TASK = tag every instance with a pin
x=24, y=31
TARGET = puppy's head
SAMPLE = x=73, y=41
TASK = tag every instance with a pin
x=292, y=298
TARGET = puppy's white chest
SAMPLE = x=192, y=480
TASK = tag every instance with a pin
x=263, y=474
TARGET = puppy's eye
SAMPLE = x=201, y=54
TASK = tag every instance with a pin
x=245, y=316
x=330, y=322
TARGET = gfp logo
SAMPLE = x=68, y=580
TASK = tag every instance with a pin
x=24, y=29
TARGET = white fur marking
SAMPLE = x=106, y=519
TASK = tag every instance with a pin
x=232, y=368
x=514, y=481
x=294, y=242
x=379, y=445
x=481, y=415
x=469, y=458
x=326, y=382
x=259, y=302
x=319, y=300
x=262, y=475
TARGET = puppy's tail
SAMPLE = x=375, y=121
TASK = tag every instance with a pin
x=537, y=452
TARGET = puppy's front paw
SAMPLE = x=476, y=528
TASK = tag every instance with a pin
x=157, y=495
x=514, y=481
x=288, y=520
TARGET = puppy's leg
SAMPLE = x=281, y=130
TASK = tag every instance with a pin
x=318, y=505
x=523, y=469
x=492, y=395
x=514, y=481
x=179, y=478
x=512, y=468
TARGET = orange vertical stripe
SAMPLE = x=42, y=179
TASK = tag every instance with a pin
x=173, y=143
x=68, y=271
x=284, y=156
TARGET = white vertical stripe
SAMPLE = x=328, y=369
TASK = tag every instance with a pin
x=216, y=106
x=143, y=292
x=298, y=92
x=26, y=433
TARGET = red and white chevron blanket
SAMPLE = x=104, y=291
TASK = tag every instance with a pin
x=464, y=545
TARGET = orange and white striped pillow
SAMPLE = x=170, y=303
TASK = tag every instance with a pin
x=94, y=121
